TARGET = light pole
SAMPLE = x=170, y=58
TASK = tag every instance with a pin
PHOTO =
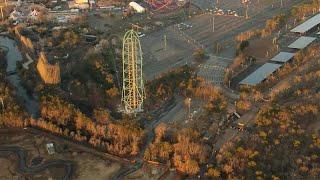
x=189, y=108
x=247, y=7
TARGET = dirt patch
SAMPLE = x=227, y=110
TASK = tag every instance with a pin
x=261, y=49
x=147, y=172
x=87, y=165
x=90, y=167
x=7, y=170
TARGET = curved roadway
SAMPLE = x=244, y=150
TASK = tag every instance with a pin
x=24, y=169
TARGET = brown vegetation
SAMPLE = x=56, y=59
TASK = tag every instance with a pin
x=11, y=113
x=50, y=74
x=26, y=42
x=120, y=138
x=184, y=148
x=284, y=143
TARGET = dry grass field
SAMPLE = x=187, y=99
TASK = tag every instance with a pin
x=87, y=166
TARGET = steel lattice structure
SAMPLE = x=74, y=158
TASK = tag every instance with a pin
x=132, y=84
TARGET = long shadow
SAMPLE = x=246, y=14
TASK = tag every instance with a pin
x=24, y=169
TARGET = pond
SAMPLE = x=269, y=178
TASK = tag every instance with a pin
x=13, y=56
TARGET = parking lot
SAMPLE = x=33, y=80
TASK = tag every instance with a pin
x=158, y=58
x=208, y=33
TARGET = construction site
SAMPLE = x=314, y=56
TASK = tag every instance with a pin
x=153, y=89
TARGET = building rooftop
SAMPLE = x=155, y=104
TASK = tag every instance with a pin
x=307, y=25
x=283, y=57
x=302, y=42
x=260, y=74
x=50, y=148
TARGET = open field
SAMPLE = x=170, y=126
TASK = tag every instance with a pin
x=86, y=165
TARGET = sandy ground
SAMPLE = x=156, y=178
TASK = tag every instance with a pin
x=261, y=49
x=7, y=170
x=147, y=172
x=87, y=166
x=90, y=167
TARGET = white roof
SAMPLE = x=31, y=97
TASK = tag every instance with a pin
x=260, y=74
x=137, y=7
x=50, y=148
x=307, y=25
x=302, y=42
x=318, y=33
x=283, y=57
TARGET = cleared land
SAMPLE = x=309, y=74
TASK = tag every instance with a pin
x=86, y=165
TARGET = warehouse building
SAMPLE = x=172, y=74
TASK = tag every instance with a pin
x=307, y=26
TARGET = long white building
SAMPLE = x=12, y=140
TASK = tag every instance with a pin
x=137, y=7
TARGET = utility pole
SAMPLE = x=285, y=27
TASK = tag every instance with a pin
x=2, y=104
x=213, y=24
x=189, y=108
x=281, y=3
x=165, y=42
x=246, y=3
x=2, y=16
x=247, y=7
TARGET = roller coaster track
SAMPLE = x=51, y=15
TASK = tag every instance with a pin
x=24, y=169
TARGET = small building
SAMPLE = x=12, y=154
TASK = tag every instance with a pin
x=283, y=57
x=81, y=1
x=308, y=25
x=78, y=4
x=50, y=148
x=137, y=7
x=260, y=74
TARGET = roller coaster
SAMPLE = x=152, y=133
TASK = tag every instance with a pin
x=162, y=6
